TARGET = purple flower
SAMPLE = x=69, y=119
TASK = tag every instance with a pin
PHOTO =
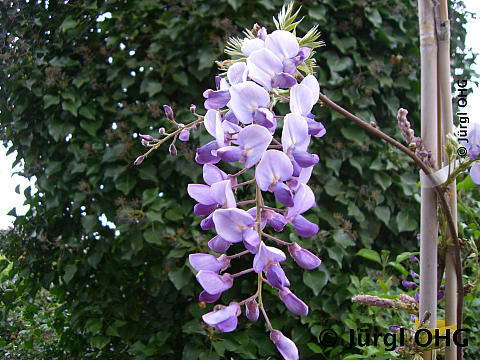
x=303, y=201
x=293, y=303
x=295, y=140
x=304, y=258
x=276, y=276
x=212, y=174
x=284, y=345
x=250, y=45
x=472, y=144
x=208, y=262
x=475, y=173
x=209, y=298
x=414, y=274
x=231, y=223
x=204, y=153
x=274, y=166
x=219, y=193
x=275, y=220
x=247, y=98
x=413, y=258
x=251, y=310
x=253, y=140
x=303, y=97
x=224, y=318
x=267, y=255
x=237, y=73
x=251, y=240
x=168, y=111
x=218, y=244
x=213, y=283
x=216, y=99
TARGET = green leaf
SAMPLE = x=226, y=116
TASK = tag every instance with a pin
x=89, y=223
x=71, y=107
x=70, y=271
x=180, y=277
x=91, y=127
x=100, y=342
x=49, y=100
x=68, y=24
x=383, y=213
x=370, y=255
x=87, y=112
x=406, y=221
x=151, y=87
x=235, y=4
x=95, y=258
x=382, y=179
x=399, y=267
x=94, y=325
x=152, y=236
x=374, y=16
x=343, y=238
x=315, y=280
x=315, y=348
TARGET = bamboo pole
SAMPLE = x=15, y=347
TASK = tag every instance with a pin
x=428, y=207
x=446, y=114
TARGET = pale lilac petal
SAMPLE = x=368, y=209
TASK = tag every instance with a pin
x=283, y=80
x=251, y=310
x=301, y=99
x=304, y=200
x=284, y=345
x=228, y=325
x=283, y=44
x=200, y=193
x=253, y=214
x=210, y=121
x=293, y=303
x=303, y=227
x=289, y=66
x=262, y=66
x=295, y=133
x=212, y=174
x=204, y=153
x=283, y=194
x=235, y=72
x=304, y=159
x=229, y=153
x=229, y=132
x=224, y=85
x=475, y=173
x=209, y=298
x=217, y=99
x=230, y=117
x=254, y=141
x=207, y=262
x=265, y=256
x=276, y=276
x=213, y=283
x=273, y=167
x=250, y=45
x=312, y=83
x=251, y=240
x=246, y=97
x=230, y=223
x=223, y=194
x=304, y=258
x=218, y=244
x=203, y=210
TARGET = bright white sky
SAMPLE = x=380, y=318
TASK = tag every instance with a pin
x=8, y=182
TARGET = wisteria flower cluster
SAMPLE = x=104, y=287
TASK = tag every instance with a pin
x=242, y=120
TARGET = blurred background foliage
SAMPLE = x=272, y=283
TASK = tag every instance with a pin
x=98, y=268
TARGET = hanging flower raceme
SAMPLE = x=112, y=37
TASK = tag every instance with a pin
x=240, y=115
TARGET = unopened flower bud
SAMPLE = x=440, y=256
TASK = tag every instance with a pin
x=168, y=111
x=284, y=345
x=414, y=274
x=413, y=258
x=304, y=258
x=172, y=149
x=144, y=142
x=146, y=137
x=193, y=108
x=408, y=284
x=184, y=135
x=139, y=160
x=251, y=310
x=161, y=131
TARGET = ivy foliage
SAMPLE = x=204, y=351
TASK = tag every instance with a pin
x=108, y=242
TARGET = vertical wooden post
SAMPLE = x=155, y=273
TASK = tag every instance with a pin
x=428, y=207
x=446, y=115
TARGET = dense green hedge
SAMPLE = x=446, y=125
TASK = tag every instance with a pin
x=75, y=92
